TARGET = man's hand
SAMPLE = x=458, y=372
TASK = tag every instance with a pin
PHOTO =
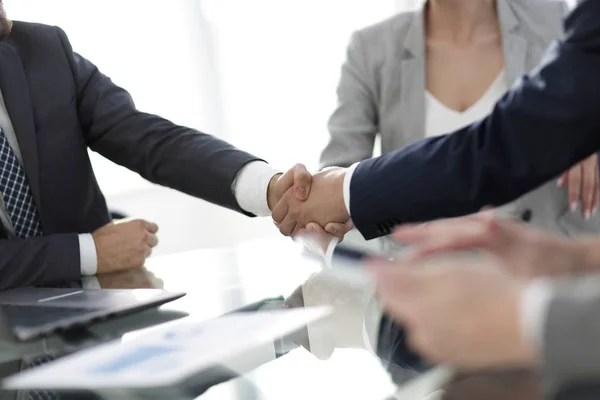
x=582, y=180
x=124, y=244
x=524, y=250
x=458, y=311
x=297, y=180
x=324, y=205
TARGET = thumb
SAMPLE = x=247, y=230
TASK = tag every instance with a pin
x=339, y=229
x=297, y=177
x=302, y=182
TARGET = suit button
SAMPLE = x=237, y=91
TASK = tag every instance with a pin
x=526, y=215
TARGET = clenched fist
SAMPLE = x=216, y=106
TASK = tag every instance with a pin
x=124, y=244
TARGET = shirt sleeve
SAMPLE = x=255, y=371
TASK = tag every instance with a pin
x=251, y=185
x=87, y=255
x=347, y=182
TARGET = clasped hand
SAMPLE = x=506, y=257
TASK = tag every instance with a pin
x=297, y=199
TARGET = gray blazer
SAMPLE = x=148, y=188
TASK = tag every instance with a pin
x=382, y=92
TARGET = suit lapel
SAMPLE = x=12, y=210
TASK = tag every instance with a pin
x=412, y=79
x=514, y=44
x=15, y=90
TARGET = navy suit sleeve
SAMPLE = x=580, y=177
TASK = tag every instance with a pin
x=546, y=123
x=160, y=151
x=44, y=260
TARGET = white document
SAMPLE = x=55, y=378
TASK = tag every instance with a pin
x=164, y=357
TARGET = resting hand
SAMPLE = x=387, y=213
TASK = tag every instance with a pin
x=124, y=244
x=324, y=205
x=457, y=311
x=582, y=181
x=524, y=250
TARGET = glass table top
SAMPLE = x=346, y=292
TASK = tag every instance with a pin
x=340, y=364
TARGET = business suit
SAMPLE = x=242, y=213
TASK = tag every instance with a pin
x=382, y=92
x=545, y=124
x=60, y=104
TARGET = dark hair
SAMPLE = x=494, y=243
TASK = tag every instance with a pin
x=5, y=23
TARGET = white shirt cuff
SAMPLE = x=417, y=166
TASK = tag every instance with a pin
x=251, y=185
x=347, y=181
x=534, y=310
x=87, y=255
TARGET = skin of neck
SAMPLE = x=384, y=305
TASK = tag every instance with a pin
x=462, y=21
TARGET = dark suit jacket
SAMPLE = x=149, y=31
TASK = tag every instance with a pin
x=548, y=122
x=60, y=104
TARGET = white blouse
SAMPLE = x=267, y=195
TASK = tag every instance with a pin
x=440, y=119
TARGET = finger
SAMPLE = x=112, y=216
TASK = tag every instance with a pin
x=148, y=252
x=287, y=227
x=400, y=294
x=302, y=182
x=596, y=198
x=151, y=227
x=395, y=278
x=574, y=184
x=462, y=232
x=562, y=179
x=280, y=210
x=588, y=185
x=152, y=240
x=315, y=229
x=338, y=229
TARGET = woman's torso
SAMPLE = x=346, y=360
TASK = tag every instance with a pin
x=394, y=56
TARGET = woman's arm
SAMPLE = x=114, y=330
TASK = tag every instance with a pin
x=353, y=125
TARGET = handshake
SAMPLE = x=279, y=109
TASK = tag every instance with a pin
x=302, y=202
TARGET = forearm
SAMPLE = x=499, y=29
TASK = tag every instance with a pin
x=41, y=260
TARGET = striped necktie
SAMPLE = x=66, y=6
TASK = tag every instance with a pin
x=17, y=193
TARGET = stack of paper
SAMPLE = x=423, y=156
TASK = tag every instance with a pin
x=166, y=356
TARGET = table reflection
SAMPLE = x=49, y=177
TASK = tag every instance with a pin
x=331, y=359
